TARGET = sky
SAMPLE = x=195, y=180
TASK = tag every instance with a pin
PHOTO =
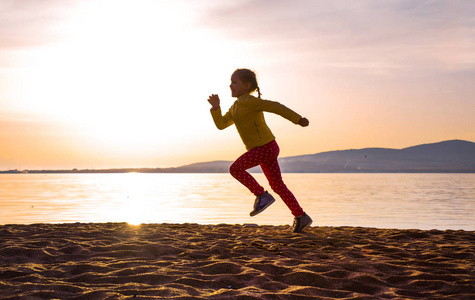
x=124, y=83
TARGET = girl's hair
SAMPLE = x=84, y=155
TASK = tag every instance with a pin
x=249, y=76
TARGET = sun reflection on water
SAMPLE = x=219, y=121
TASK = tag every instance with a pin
x=423, y=201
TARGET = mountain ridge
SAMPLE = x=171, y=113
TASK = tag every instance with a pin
x=446, y=156
x=451, y=156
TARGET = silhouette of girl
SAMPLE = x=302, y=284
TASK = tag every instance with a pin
x=247, y=113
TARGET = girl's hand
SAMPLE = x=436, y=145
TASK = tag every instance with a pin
x=214, y=101
x=303, y=122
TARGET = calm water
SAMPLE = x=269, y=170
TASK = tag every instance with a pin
x=423, y=201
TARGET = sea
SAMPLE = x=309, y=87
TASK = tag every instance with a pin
x=402, y=201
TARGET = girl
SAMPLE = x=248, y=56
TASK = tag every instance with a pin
x=247, y=114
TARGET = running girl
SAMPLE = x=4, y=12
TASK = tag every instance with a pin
x=247, y=114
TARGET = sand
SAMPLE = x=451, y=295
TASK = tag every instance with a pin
x=190, y=261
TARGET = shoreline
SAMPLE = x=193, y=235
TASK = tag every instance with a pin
x=191, y=261
x=166, y=171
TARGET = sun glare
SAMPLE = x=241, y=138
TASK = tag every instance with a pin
x=138, y=202
x=150, y=198
x=124, y=71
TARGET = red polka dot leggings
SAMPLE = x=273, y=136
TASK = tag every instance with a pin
x=266, y=157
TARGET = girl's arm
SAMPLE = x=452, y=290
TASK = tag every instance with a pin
x=220, y=121
x=281, y=110
x=284, y=111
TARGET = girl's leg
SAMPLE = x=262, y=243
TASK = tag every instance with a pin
x=246, y=161
x=272, y=172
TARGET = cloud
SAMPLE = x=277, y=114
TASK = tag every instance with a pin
x=365, y=34
x=31, y=23
x=357, y=34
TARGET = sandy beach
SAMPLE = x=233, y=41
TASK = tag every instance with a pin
x=190, y=261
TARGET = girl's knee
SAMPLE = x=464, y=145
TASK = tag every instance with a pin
x=234, y=169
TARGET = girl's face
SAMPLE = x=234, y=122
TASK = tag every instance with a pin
x=238, y=87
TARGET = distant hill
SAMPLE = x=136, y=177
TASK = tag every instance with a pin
x=447, y=156
x=455, y=156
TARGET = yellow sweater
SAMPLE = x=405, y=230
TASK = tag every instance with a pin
x=247, y=114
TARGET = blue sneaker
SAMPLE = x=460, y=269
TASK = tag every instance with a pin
x=301, y=223
x=262, y=202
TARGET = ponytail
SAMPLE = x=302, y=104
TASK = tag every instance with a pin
x=258, y=92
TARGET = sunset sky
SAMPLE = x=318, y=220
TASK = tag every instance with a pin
x=124, y=83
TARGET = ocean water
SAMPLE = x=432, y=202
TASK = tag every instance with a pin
x=421, y=201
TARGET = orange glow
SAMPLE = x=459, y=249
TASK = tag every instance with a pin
x=106, y=83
